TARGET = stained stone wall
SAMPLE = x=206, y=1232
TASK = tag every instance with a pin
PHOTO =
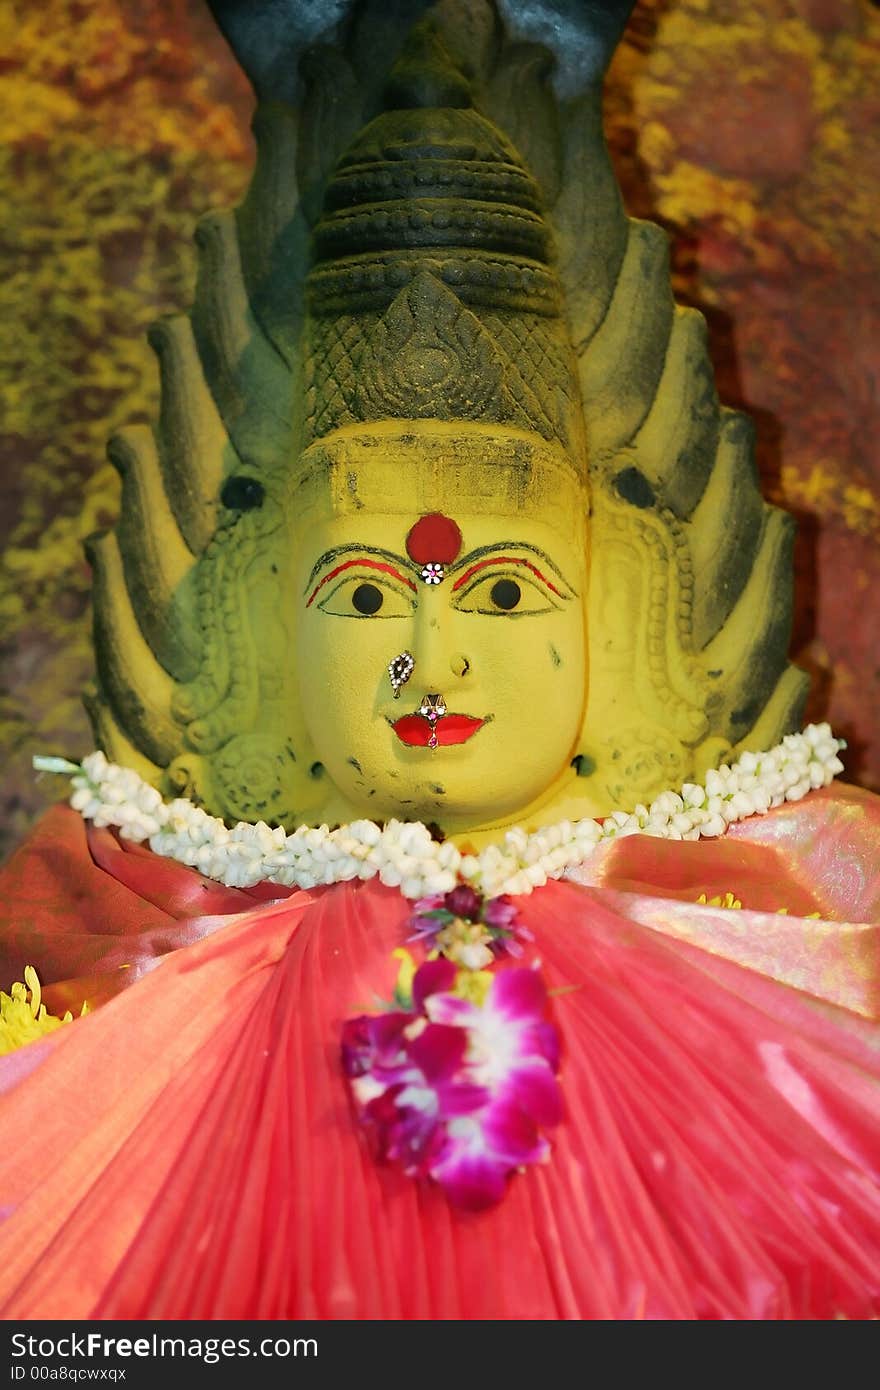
x=749, y=128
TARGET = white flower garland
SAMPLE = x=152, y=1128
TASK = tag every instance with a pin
x=403, y=854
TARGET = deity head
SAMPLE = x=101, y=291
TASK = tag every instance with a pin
x=438, y=508
x=465, y=538
x=442, y=655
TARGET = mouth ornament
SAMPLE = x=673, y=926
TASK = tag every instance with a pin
x=433, y=708
x=433, y=727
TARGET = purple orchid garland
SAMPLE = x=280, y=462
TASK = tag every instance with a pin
x=468, y=928
x=457, y=1084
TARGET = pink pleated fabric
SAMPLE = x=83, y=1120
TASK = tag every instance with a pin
x=188, y=1151
x=94, y=913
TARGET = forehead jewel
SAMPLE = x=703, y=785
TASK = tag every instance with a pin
x=434, y=538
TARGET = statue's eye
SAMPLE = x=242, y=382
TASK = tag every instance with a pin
x=498, y=594
x=355, y=596
x=242, y=494
x=505, y=594
x=367, y=599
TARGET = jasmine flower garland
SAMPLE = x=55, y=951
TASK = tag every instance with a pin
x=403, y=855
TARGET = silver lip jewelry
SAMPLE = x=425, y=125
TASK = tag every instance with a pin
x=432, y=708
x=400, y=668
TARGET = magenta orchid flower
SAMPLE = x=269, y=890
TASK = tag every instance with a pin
x=468, y=928
x=454, y=1090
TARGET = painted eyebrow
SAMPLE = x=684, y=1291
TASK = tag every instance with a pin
x=494, y=555
x=363, y=559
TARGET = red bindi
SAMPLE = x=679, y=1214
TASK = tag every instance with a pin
x=434, y=539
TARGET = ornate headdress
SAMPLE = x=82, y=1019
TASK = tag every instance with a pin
x=432, y=294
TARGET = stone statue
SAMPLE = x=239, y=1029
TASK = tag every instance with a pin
x=442, y=558
x=442, y=519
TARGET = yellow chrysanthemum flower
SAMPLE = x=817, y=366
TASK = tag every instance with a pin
x=729, y=901
x=23, y=1016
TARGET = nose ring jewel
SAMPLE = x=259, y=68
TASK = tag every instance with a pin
x=432, y=708
x=400, y=669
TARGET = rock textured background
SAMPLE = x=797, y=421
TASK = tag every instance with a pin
x=750, y=129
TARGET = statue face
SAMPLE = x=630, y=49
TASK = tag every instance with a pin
x=486, y=722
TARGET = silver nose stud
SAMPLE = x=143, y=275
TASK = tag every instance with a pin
x=400, y=668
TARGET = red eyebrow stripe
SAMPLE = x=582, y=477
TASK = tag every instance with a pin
x=505, y=560
x=362, y=562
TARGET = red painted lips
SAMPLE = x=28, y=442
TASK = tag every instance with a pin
x=415, y=730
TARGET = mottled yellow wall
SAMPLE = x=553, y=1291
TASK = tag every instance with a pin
x=750, y=128
x=123, y=123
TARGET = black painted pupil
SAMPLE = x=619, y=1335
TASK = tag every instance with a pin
x=506, y=594
x=242, y=494
x=367, y=599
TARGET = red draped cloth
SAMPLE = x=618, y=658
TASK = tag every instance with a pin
x=187, y=1150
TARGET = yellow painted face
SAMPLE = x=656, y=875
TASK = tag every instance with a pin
x=478, y=717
